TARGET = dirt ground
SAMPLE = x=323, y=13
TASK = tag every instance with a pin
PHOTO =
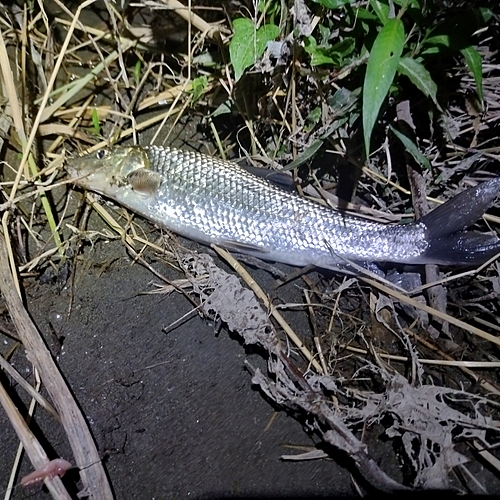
x=174, y=412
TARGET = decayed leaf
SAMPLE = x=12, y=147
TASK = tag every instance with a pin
x=426, y=424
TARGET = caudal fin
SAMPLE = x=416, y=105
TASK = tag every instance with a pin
x=449, y=241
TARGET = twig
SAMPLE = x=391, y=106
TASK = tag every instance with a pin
x=382, y=178
x=108, y=218
x=436, y=362
x=85, y=452
x=196, y=20
x=487, y=386
x=33, y=448
x=6, y=366
x=20, y=449
x=436, y=294
x=433, y=312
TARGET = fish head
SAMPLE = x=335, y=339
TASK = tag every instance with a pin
x=119, y=173
x=108, y=170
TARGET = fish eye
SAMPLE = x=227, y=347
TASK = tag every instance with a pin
x=101, y=154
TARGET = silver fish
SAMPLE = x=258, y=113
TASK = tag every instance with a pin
x=215, y=201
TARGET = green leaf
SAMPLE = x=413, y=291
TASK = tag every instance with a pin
x=198, y=87
x=365, y=15
x=137, y=72
x=453, y=33
x=306, y=155
x=381, y=69
x=437, y=44
x=344, y=48
x=343, y=101
x=485, y=14
x=265, y=34
x=248, y=44
x=270, y=9
x=420, y=77
x=333, y=4
x=318, y=54
x=325, y=33
x=381, y=9
x=408, y=3
x=327, y=54
x=473, y=60
x=95, y=121
x=412, y=148
x=223, y=109
x=314, y=116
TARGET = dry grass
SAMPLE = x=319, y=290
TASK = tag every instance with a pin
x=370, y=343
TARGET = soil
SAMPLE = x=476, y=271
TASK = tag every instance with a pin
x=172, y=410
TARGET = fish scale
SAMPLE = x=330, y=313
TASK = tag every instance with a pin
x=238, y=207
x=217, y=201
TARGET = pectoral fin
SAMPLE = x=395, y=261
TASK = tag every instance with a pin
x=144, y=181
x=246, y=248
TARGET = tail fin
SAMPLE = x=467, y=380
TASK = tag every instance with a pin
x=449, y=242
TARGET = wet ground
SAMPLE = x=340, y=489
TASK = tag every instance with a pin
x=173, y=410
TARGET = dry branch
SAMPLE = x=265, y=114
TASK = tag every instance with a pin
x=85, y=452
x=32, y=446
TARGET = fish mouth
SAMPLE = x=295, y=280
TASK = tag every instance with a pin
x=75, y=175
x=81, y=177
x=81, y=167
x=71, y=168
x=71, y=171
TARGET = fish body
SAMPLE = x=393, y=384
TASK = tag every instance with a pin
x=216, y=201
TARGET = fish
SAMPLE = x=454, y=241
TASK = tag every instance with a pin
x=214, y=201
